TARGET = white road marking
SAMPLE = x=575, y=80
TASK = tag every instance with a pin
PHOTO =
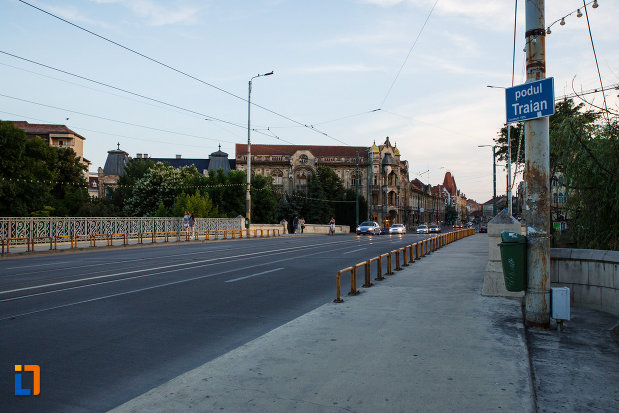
x=350, y=252
x=254, y=275
x=148, y=288
x=157, y=268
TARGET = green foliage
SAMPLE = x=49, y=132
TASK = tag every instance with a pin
x=36, y=178
x=584, y=151
x=160, y=184
x=265, y=201
x=162, y=211
x=451, y=215
x=197, y=204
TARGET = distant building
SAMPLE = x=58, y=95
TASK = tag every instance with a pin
x=113, y=169
x=383, y=177
x=58, y=136
x=93, y=184
x=217, y=160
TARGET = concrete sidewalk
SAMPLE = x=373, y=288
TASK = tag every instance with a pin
x=422, y=340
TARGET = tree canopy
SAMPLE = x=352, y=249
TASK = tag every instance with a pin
x=38, y=179
x=584, y=151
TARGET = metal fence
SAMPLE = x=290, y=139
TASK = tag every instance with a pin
x=33, y=227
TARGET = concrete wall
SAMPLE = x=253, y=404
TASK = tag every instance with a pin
x=591, y=275
x=324, y=229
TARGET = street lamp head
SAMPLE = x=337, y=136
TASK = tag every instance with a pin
x=268, y=74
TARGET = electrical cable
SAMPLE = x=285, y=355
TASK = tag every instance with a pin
x=124, y=90
x=407, y=56
x=105, y=133
x=182, y=72
x=596, y=63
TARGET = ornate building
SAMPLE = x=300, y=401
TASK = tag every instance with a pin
x=383, y=177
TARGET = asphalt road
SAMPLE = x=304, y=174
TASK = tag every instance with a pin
x=106, y=326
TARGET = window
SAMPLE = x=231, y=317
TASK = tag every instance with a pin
x=278, y=177
x=303, y=159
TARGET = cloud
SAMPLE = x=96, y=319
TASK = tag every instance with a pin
x=157, y=14
x=75, y=16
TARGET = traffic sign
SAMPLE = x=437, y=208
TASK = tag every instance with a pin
x=530, y=100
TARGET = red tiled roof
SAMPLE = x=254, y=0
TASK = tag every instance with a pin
x=43, y=128
x=319, y=151
x=450, y=183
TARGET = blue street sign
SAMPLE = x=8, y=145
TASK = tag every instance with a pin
x=530, y=100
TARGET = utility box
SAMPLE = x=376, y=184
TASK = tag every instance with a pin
x=560, y=303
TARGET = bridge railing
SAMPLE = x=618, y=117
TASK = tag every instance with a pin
x=417, y=250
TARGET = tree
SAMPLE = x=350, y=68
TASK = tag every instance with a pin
x=36, y=178
x=584, y=150
x=160, y=184
x=265, y=201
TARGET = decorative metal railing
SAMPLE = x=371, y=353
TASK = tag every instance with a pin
x=34, y=227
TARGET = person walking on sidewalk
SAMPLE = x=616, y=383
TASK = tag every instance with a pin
x=192, y=223
x=332, y=226
x=186, y=221
x=295, y=224
x=302, y=224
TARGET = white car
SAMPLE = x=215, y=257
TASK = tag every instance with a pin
x=397, y=229
x=422, y=229
x=369, y=228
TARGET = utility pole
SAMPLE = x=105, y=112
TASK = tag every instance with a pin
x=248, y=187
x=357, y=193
x=537, y=182
x=494, y=181
x=371, y=184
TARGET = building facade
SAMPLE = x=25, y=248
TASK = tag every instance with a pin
x=58, y=136
x=383, y=177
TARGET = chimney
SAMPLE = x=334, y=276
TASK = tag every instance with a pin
x=179, y=156
x=138, y=155
x=145, y=156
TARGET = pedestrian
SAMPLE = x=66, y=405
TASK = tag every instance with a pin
x=302, y=223
x=332, y=226
x=186, y=221
x=295, y=224
x=192, y=223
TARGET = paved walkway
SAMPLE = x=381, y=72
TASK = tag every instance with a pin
x=422, y=340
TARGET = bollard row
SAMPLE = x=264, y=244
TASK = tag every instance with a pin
x=124, y=238
x=402, y=259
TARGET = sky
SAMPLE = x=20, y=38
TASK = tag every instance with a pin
x=425, y=64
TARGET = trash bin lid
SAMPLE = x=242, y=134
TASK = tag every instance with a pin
x=509, y=237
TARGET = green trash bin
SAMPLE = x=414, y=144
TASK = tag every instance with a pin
x=514, y=260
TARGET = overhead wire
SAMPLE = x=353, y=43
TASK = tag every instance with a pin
x=105, y=133
x=596, y=63
x=124, y=90
x=407, y=56
x=153, y=60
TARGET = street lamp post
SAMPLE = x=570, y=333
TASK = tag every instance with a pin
x=248, y=191
x=493, y=176
x=509, y=159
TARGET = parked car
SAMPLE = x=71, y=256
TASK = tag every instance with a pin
x=483, y=228
x=468, y=225
x=422, y=229
x=368, y=228
x=397, y=229
x=434, y=229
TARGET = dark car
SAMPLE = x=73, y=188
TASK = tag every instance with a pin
x=434, y=229
x=483, y=228
x=458, y=225
x=368, y=228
